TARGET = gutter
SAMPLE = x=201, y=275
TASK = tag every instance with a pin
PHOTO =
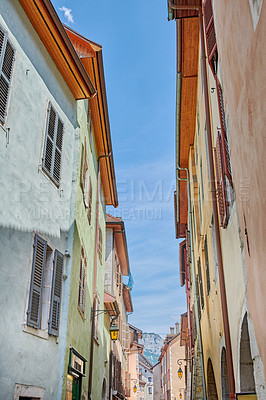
x=229, y=357
x=70, y=47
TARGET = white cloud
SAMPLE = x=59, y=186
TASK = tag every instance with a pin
x=67, y=13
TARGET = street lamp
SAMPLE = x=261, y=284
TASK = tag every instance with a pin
x=180, y=371
x=180, y=394
x=134, y=388
x=113, y=331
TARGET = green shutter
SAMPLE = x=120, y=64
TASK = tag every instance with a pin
x=35, y=298
x=7, y=59
x=56, y=295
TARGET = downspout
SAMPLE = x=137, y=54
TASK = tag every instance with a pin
x=229, y=357
x=95, y=270
x=194, y=280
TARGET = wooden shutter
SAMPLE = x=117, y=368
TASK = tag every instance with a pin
x=221, y=184
x=35, y=297
x=210, y=32
x=100, y=244
x=207, y=264
x=53, y=145
x=182, y=262
x=224, y=143
x=54, y=319
x=200, y=284
x=7, y=59
x=198, y=296
x=90, y=201
x=82, y=281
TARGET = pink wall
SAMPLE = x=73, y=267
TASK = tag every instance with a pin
x=242, y=53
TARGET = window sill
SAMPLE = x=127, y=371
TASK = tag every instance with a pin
x=36, y=332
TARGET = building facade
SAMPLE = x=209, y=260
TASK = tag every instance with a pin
x=212, y=170
x=38, y=111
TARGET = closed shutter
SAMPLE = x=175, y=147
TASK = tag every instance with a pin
x=182, y=262
x=35, y=297
x=90, y=201
x=7, y=59
x=200, y=284
x=58, y=266
x=224, y=143
x=52, y=157
x=100, y=244
x=210, y=33
x=82, y=281
x=221, y=184
x=207, y=265
x=198, y=296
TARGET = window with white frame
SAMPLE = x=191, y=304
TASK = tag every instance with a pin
x=7, y=59
x=53, y=145
x=45, y=287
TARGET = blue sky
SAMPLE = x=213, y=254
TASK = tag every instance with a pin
x=140, y=62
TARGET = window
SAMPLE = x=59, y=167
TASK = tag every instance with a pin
x=45, y=287
x=210, y=34
x=82, y=281
x=149, y=379
x=207, y=264
x=85, y=182
x=150, y=390
x=7, y=59
x=52, y=155
x=96, y=318
x=200, y=284
x=100, y=244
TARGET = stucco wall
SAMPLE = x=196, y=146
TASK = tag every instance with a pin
x=29, y=201
x=241, y=45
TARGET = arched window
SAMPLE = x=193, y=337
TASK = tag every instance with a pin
x=224, y=376
x=247, y=383
x=212, y=391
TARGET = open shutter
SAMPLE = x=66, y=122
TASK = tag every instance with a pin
x=35, y=298
x=221, y=184
x=58, y=266
x=7, y=59
x=210, y=32
x=53, y=145
x=182, y=262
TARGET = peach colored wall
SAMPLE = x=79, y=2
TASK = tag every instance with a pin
x=242, y=53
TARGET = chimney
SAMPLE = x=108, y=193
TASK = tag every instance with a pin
x=177, y=330
x=172, y=331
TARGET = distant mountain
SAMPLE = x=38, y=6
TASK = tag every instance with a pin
x=152, y=346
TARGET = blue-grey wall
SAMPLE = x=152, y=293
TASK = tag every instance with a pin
x=31, y=203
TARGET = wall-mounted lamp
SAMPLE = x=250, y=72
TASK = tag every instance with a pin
x=113, y=331
x=180, y=393
x=180, y=371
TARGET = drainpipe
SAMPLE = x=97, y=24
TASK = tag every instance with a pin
x=229, y=357
x=95, y=270
x=194, y=281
